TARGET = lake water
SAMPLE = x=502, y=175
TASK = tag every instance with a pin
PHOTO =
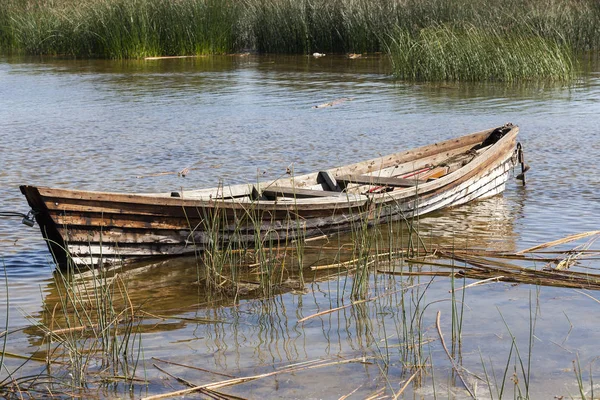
x=132, y=125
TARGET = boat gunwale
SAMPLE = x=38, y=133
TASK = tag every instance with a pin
x=338, y=199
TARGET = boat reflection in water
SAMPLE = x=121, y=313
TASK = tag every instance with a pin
x=247, y=317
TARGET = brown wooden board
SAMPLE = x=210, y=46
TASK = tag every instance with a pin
x=378, y=181
x=279, y=191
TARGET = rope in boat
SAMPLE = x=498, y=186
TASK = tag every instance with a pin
x=12, y=214
x=27, y=218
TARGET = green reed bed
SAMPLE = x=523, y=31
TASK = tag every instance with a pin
x=286, y=26
x=427, y=40
x=137, y=28
x=119, y=28
x=445, y=53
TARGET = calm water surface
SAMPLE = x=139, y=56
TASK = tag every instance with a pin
x=130, y=126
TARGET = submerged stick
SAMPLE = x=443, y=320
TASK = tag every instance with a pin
x=332, y=310
x=178, y=379
x=358, y=302
x=192, y=367
x=403, y=388
x=439, y=329
x=236, y=381
x=169, y=57
x=482, y=282
x=344, y=397
x=370, y=260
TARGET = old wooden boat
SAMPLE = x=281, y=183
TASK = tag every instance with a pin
x=85, y=228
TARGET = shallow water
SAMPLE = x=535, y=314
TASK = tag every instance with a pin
x=119, y=126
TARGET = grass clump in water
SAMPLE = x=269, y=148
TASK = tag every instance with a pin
x=445, y=53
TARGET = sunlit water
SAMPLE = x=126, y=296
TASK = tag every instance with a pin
x=120, y=126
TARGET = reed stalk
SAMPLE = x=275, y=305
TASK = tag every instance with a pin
x=93, y=323
x=428, y=40
x=446, y=53
x=4, y=333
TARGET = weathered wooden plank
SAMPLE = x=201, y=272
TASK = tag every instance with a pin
x=123, y=221
x=115, y=235
x=66, y=205
x=345, y=180
x=272, y=192
x=133, y=226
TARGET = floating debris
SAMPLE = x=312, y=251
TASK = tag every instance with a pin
x=353, y=56
x=168, y=57
x=490, y=266
x=334, y=102
x=183, y=172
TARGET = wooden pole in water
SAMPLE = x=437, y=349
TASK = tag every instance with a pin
x=521, y=160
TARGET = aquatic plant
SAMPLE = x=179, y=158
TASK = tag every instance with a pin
x=4, y=333
x=139, y=28
x=445, y=53
x=92, y=324
x=119, y=28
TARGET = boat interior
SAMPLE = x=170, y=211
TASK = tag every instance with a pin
x=385, y=174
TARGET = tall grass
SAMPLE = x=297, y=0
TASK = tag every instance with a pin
x=446, y=53
x=137, y=28
x=119, y=28
x=429, y=40
x=93, y=328
x=4, y=332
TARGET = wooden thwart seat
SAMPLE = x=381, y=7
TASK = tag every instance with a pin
x=273, y=192
x=345, y=180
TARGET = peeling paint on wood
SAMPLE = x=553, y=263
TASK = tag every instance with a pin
x=100, y=227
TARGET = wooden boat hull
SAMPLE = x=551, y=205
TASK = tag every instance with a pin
x=93, y=228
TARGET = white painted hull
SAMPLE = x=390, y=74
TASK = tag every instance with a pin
x=91, y=228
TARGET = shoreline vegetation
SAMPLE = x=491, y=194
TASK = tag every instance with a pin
x=94, y=332
x=431, y=40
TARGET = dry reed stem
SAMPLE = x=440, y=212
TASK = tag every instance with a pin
x=82, y=328
x=588, y=295
x=345, y=264
x=566, y=239
x=422, y=273
x=14, y=355
x=236, y=381
x=196, y=368
x=376, y=394
x=403, y=388
x=168, y=57
x=313, y=239
x=478, y=283
x=332, y=310
x=344, y=397
x=166, y=317
x=439, y=329
x=389, y=293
